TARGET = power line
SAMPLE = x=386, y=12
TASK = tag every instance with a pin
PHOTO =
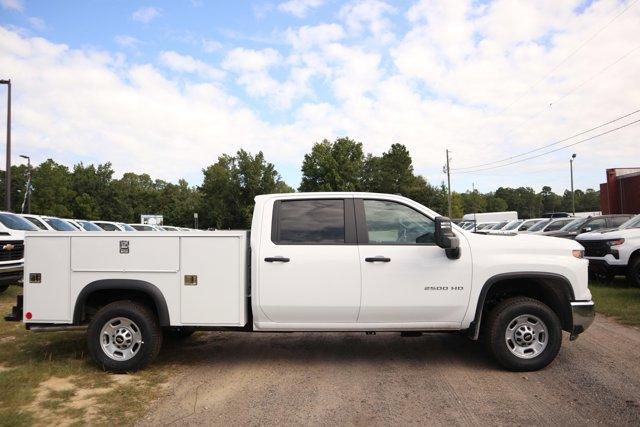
x=548, y=145
x=574, y=89
x=561, y=63
x=554, y=150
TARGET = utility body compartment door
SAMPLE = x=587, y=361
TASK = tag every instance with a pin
x=213, y=280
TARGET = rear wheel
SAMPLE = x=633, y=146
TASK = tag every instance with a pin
x=124, y=337
x=633, y=273
x=523, y=334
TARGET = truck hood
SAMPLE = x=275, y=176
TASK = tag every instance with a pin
x=609, y=234
x=522, y=243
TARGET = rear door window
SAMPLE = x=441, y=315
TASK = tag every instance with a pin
x=310, y=222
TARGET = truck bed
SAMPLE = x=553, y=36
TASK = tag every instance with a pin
x=201, y=275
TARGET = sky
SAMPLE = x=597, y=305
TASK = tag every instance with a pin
x=166, y=87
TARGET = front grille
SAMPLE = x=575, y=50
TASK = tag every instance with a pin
x=595, y=248
x=11, y=250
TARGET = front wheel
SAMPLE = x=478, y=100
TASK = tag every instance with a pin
x=523, y=334
x=124, y=337
x=633, y=274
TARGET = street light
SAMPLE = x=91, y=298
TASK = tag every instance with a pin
x=573, y=196
x=27, y=194
x=7, y=174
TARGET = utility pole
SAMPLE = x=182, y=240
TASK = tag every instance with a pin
x=573, y=195
x=27, y=194
x=448, y=182
x=7, y=174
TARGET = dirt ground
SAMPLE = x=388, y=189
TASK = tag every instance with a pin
x=436, y=379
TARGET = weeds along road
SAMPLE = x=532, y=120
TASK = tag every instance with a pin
x=438, y=379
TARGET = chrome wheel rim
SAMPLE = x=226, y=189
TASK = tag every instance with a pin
x=526, y=336
x=121, y=339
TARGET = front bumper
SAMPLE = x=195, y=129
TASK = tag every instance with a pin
x=583, y=313
x=604, y=267
x=11, y=274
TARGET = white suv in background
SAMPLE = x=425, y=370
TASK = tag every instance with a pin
x=51, y=223
x=12, y=229
x=612, y=252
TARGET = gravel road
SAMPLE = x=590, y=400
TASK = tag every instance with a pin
x=435, y=379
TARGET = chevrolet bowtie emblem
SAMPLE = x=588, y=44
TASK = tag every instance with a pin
x=8, y=247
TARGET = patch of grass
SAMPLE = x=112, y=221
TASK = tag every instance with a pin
x=617, y=299
x=29, y=358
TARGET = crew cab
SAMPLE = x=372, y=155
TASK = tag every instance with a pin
x=311, y=262
x=612, y=252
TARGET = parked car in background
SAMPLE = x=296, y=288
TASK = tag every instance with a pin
x=113, y=226
x=145, y=227
x=490, y=216
x=510, y=228
x=556, y=215
x=85, y=225
x=51, y=223
x=585, y=225
x=552, y=224
x=168, y=228
x=483, y=225
x=527, y=224
x=12, y=229
x=613, y=252
x=495, y=227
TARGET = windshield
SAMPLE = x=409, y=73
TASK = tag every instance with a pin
x=126, y=227
x=89, y=226
x=499, y=225
x=142, y=227
x=574, y=225
x=632, y=223
x=14, y=222
x=538, y=226
x=59, y=225
x=513, y=225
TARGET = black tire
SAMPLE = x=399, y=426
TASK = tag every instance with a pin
x=179, y=333
x=633, y=272
x=504, y=316
x=141, y=321
x=3, y=288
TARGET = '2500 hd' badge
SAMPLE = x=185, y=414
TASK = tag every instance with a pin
x=444, y=288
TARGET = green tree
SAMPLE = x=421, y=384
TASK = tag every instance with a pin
x=336, y=166
x=230, y=186
x=52, y=190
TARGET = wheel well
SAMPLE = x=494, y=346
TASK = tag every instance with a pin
x=98, y=299
x=97, y=294
x=635, y=254
x=555, y=292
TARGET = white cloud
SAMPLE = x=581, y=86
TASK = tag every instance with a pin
x=211, y=46
x=16, y=5
x=126, y=41
x=146, y=14
x=369, y=15
x=188, y=64
x=306, y=37
x=299, y=8
x=37, y=24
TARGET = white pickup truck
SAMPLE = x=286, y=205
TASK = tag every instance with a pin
x=311, y=262
x=614, y=251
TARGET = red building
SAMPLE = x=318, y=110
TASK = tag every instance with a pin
x=621, y=193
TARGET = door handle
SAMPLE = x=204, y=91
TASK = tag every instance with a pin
x=276, y=259
x=377, y=259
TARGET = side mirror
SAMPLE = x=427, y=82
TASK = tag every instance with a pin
x=446, y=238
x=586, y=229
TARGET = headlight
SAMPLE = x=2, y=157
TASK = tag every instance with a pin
x=615, y=242
x=578, y=253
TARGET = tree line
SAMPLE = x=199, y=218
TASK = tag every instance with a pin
x=226, y=196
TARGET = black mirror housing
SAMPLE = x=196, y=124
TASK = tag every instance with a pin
x=446, y=238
